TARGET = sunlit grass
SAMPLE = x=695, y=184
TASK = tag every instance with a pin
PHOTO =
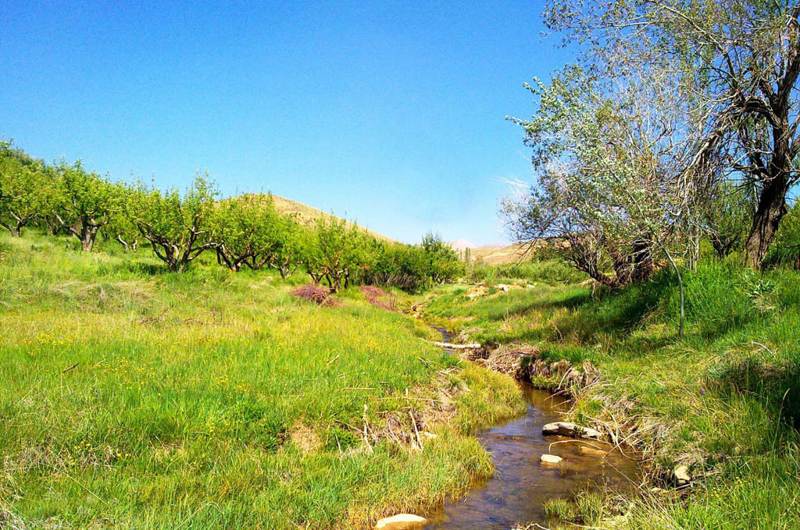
x=136, y=398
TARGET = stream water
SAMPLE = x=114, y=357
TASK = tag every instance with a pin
x=521, y=484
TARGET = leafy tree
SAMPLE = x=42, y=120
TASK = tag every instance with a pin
x=84, y=203
x=311, y=252
x=121, y=226
x=23, y=183
x=287, y=253
x=336, y=251
x=609, y=181
x=443, y=263
x=176, y=225
x=736, y=65
x=246, y=231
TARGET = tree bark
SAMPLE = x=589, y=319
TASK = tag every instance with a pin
x=768, y=215
x=87, y=237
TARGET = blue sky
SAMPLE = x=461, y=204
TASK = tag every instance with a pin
x=389, y=113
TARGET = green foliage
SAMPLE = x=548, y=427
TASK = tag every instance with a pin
x=121, y=226
x=334, y=253
x=729, y=215
x=443, y=262
x=23, y=188
x=550, y=271
x=178, y=226
x=85, y=202
x=246, y=232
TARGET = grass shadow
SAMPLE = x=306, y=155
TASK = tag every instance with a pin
x=614, y=312
x=775, y=385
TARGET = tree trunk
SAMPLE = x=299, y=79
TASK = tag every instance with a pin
x=642, y=261
x=768, y=215
x=87, y=240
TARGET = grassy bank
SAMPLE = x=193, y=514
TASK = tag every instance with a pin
x=131, y=397
x=725, y=400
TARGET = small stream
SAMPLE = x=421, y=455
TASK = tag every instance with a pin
x=521, y=484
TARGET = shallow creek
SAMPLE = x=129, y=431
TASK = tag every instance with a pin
x=521, y=484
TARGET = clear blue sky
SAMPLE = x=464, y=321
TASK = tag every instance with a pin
x=391, y=113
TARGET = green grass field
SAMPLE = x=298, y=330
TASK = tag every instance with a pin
x=725, y=400
x=130, y=397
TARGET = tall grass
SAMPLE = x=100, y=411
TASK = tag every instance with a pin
x=538, y=270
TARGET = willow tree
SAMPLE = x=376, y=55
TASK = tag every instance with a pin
x=609, y=175
x=737, y=64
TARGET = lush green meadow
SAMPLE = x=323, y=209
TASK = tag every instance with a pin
x=134, y=397
x=725, y=400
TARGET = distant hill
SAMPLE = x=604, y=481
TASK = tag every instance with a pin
x=308, y=214
x=497, y=254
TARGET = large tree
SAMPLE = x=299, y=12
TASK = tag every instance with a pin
x=609, y=179
x=737, y=64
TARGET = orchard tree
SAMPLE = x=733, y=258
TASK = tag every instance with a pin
x=335, y=245
x=338, y=252
x=245, y=229
x=312, y=258
x=287, y=253
x=176, y=225
x=121, y=226
x=442, y=262
x=85, y=203
x=23, y=188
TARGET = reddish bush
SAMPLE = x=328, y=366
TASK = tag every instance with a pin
x=379, y=298
x=315, y=293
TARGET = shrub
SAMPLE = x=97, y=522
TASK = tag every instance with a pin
x=314, y=293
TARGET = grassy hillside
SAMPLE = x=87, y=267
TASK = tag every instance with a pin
x=132, y=397
x=725, y=401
